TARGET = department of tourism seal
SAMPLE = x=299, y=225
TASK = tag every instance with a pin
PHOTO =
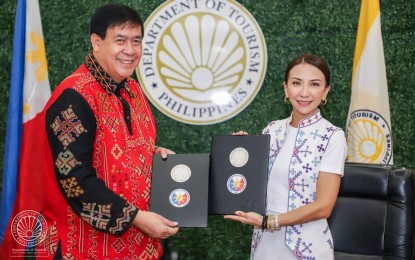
x=180, y=173
x=369, y=138
x=239, y=157
x=29, y=228
x=203, y=61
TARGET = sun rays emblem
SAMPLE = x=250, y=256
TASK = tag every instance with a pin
x=239, y=157
x=203, y=62
x=200, y=56
x=29, y=228
x=368, y=138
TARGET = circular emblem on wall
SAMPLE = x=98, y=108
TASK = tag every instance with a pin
x=236, y=183
x=29, y=228
x=239, y=157
x=179, y=198
x=203, y=62
x=369, y=138
x=180, y=173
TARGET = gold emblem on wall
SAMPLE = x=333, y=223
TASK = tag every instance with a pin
x=203, y=61
x=369, y=135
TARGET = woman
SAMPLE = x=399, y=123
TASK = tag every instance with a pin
x=307, y=155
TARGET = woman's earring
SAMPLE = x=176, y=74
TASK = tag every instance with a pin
x=323, y=102
x=286, y=100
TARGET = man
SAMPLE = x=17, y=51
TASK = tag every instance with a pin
x=102, y=136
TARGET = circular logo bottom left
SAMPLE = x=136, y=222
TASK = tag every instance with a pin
x=29, y=228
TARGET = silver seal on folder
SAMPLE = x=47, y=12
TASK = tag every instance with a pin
x=239, y=157
x=180, y=173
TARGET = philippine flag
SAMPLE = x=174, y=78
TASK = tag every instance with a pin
x=20, y=219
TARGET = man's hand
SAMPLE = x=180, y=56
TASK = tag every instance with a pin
x=163, y=151
x=155, y=225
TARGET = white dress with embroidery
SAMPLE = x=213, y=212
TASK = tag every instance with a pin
x=272, y=245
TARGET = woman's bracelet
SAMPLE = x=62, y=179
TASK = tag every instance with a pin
x=277, y=225
x=271, y=222
x=264, y=222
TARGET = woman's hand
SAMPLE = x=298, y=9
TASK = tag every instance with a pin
x=240, y=133
x=250, y=218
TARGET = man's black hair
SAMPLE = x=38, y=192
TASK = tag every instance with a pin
x=112, y=15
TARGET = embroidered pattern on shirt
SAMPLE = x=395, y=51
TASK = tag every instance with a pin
x=118, y=245
x=103, y=78
x=118, y=174
x=112, y=123
x=301, y=253
x=68, y=256
x=311, y=142
x=275, y=147
x=124, y=219
x=70, y=236
x=96, y=215
x=68, y=127
x=302, y=174
x=71, y=187
x=138, y=105
x=66, y=161
x=256, y=239
x=329, y=241
x=149, y=252
x=116, y=151
x=139, y=238
x=105, y=103
x=310, y=120
x=51, y=241
x=92, y=250
x=146, y=193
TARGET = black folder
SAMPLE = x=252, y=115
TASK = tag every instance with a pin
x=238, y=173
x=179, y=189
